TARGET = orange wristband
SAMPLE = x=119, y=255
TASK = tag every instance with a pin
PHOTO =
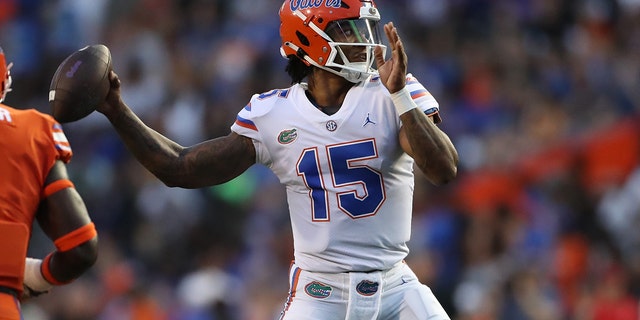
x=65, y=243
x=76, y=237
x=46, y=271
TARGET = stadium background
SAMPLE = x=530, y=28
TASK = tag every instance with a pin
x=540, y=97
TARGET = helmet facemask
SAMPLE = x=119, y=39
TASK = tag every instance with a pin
x=336, y=36
x=352, y=43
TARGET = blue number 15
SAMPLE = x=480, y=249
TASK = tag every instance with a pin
x=363, y=186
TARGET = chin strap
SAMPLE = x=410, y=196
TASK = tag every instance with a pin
x=350, y=75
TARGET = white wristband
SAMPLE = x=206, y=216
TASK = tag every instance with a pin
x=33, y=276
x=403, y=101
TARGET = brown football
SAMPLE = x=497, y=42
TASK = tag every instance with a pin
x=80, y=83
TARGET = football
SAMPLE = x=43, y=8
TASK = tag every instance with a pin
x=80, y=83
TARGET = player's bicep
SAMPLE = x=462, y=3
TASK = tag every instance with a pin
x=216, y=161
x=62, y=209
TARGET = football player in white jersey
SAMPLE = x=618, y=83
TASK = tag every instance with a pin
x=344, y=143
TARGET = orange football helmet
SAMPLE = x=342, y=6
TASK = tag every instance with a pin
x=5, y=76
x=335, y=35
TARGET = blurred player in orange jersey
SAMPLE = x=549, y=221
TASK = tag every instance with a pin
x=34, y=184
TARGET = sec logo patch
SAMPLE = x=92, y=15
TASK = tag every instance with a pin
x=331, y=125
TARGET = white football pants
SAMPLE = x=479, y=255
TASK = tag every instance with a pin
x=383, y=295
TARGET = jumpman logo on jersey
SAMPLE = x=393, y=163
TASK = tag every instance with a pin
x=368, y=120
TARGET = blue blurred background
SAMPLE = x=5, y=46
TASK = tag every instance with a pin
x=540, y=97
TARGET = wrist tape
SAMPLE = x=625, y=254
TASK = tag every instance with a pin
x=402, y=101
x=33, y=277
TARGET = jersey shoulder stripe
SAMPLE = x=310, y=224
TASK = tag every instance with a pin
x=245, y=123
x=419, y=93
x=243, y=118
x=423, y=98
x=59, y=139
x=416, y=89
x=251, y=119
x=259, y=105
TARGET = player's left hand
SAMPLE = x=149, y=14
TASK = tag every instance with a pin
x=28, y=293
x=34, y=284
x=393, y=72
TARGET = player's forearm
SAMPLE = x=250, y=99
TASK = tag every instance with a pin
x=431, y=148
x=69, y=265
x=154, y=151
x=58, y=268
x=208, y=163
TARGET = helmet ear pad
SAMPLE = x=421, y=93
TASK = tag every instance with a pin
x=301, y=53
x=302, y=38
x=306, y=42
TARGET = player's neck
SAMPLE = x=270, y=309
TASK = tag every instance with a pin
x=327, y=91
x=328, y=109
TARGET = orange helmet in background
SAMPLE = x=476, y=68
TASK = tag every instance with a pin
x=5, y=76
x=335, y=35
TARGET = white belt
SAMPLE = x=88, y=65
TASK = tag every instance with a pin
x=364, y=295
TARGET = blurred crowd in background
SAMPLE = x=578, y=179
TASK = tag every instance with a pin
x=541, y=98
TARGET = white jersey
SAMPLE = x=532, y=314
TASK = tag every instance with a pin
x=349, y=184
